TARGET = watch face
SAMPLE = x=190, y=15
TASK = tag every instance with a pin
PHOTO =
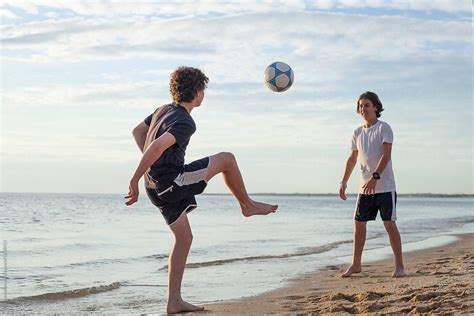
x=376, y=175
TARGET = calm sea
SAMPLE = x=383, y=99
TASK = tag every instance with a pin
x=90, y=253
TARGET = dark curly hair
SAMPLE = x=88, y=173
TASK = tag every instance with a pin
x=374, y=99
x=186, y=82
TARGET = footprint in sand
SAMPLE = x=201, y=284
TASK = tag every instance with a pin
x=440, y=272
x=315, y=299
x=369, y=296
x=405, y=298
x=425, y=297
x=371, y=308
x=359, y=297
x=425, y=308
x=342, y=308
x=341, y=296
x=294, y=297
x=421, y=272
x=445, y=258
x=403, y=311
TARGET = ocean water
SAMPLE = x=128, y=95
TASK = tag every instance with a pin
x=91, y=253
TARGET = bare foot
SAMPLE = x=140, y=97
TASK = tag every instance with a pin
x=257, y=208
x=182, y=307
x=351, y=270
x=399, y=272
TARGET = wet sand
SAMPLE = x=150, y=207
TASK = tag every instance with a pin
x=439, y=281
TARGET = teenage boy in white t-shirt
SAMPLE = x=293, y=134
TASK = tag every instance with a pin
x=372, y=146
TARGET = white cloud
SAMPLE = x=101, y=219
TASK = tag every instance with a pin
x=168, y=10
x=126, y=94
x=75, y=146
x=7, y=14
x=27, y=6
x=449, y=6
x=226, y=43
x=162, y=9
x=52, y=15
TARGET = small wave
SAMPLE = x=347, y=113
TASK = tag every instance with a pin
x=462, y=220
x=72, y=293
x=28, y=239
x=96, y=262
x=156, y=257
x=99, y=262
x=303, y=252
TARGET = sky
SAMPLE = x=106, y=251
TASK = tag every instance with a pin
x=77, y=77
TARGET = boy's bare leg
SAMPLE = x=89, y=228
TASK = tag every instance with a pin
x=360, y=230
x=226, y=163
x=177, y=261
x=396, y=243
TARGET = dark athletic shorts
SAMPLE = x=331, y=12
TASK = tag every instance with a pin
x=367, y=207
x=179, y=196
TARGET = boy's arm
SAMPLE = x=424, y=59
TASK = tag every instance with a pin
x=139, y=133
x=152, y=154
x=386, y=157
x=350, y=164
x=369, y=187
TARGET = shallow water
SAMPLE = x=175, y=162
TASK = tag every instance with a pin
x=90, y=253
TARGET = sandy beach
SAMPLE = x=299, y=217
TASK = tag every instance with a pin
x=439, y=281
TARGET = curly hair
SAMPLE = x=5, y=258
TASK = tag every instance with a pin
x=186, y=82
x=374, y=99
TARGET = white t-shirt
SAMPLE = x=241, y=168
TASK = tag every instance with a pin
x=369, y=144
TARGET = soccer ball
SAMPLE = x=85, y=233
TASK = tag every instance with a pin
x=279, y=76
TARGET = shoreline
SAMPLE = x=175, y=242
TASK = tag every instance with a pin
x=439, y=280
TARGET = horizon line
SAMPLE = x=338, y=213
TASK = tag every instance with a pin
x=425, y=194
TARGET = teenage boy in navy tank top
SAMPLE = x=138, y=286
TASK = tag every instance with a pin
x=372, y=147
x=170, y=184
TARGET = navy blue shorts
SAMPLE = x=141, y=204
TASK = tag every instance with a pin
x=367, y=207
x=179, y=196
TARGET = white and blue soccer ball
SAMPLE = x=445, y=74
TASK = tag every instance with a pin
x=279, y=76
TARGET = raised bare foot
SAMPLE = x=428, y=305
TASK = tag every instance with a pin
x=182, y=307
x=399, y=272
x=351, y=270
x=257, y=208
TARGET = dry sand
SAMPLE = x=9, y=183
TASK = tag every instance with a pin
x=439, y=281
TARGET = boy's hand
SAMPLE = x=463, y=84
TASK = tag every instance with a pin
x=132, y=193
x=369, y=187
x=342, y=191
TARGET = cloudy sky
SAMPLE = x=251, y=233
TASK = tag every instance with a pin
x=78, y=76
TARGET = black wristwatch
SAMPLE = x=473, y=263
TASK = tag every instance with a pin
x=376, y=175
